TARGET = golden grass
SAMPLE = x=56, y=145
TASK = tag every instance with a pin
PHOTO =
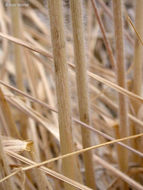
x=62, y=111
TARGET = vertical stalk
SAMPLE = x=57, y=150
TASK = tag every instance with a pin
x=69, y=166
x=81, y=79
x=41, y=181
x=138, y=49
x=123, y=106
x=17, y=32
x=138, y=57
x=16, y=29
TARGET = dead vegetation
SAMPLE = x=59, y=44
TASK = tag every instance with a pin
x=71, y=94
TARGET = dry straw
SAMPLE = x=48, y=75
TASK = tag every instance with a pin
x=69, y=165
x=81, y=78
x=34, y=93
x=121, y=81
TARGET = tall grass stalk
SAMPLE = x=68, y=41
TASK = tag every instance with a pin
x=81, y=79
x=16, y=30
x=4, y=43
x=121, y=81
x=69, y=165
x=18, y=58
x=138, y=61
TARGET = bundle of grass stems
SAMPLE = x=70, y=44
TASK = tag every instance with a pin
x=71, y=94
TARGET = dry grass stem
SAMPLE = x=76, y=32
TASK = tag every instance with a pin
x=81, y=78
x=121, y=81
x=70, y=166
x=64, y=98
